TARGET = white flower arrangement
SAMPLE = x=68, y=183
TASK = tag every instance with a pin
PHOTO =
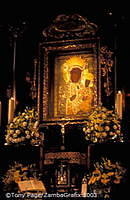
x=24, y=129
x=103, y=125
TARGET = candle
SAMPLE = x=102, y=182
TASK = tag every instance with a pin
x=84, y=187
x=119, y=104
x=11, y=107
x=0, y=112
x=36, y=125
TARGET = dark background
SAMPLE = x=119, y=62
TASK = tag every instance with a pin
x=113, y=22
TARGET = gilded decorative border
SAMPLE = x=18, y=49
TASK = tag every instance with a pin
x=46, y=49
x=45, y=85
x=107, y=63
x=69, y=26
x=72, y=157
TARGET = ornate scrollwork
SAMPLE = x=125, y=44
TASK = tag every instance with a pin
x=69, y=26
x=72, y=157
x=106, y=61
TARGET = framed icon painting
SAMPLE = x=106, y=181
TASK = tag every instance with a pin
x=69, y=76
x=70, y=81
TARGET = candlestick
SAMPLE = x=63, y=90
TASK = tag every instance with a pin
x=11, y=107
x=119, y=104
x=0, y=112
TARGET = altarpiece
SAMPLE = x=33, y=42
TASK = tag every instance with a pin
x=74, y=74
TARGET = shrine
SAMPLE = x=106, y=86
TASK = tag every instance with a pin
x=66, y=135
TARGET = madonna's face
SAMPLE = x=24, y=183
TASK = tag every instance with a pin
x=75, y=74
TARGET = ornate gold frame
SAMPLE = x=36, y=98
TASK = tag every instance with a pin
x=50, y=67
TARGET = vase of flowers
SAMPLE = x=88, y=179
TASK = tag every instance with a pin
x=103, y=125
x=23, y=129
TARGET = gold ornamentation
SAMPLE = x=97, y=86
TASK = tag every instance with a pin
x=72, y=157
x=106, y=61
x=69, y=45
x=70, y=26
x=45, y=85
x=79, y=45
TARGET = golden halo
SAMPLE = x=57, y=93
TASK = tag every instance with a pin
x=72, y=62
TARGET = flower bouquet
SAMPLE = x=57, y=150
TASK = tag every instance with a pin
x=103, y=125
x=18, y=172
x=23, y=129
x=105, y=174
